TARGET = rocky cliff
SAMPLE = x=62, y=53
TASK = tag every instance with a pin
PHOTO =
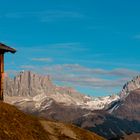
x=130, y=86
x=28, y=84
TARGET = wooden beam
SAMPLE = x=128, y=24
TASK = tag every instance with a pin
x=1, y=77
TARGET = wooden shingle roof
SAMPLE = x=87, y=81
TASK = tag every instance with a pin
x=4, y=48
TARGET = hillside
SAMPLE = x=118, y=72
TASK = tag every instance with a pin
x=61, y=131
x=133, y=136
x=16, y=125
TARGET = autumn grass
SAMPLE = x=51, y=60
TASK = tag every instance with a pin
x=15, y=125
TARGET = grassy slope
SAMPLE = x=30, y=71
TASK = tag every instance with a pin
x=63, y=131
x=134, y=136
x=16, y=125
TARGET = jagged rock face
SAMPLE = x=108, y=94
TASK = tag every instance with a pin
x=129, y=108
x=28, y=84
x=130, y=86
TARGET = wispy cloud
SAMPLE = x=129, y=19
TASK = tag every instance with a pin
x=42, y=59
x=110, y=63
x=89, y=82
x=73, y=46
x=76, y=68
x=64, y=45
x=136, y=36
x=28, y=67
x=77, y=75
x=56, y=15
x=46, y=16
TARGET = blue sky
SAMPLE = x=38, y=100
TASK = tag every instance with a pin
x=91, y=45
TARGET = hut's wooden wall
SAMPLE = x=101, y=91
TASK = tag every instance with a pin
x=1, y=76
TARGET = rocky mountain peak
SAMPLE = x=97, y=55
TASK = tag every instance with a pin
x=130, y=86
x=128, y=105
x=27, y=83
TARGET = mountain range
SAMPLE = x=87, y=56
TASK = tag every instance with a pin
x=112, y=116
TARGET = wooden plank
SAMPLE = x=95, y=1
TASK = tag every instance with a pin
x=1, y=76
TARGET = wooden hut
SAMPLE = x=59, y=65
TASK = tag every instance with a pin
x=3, y=49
